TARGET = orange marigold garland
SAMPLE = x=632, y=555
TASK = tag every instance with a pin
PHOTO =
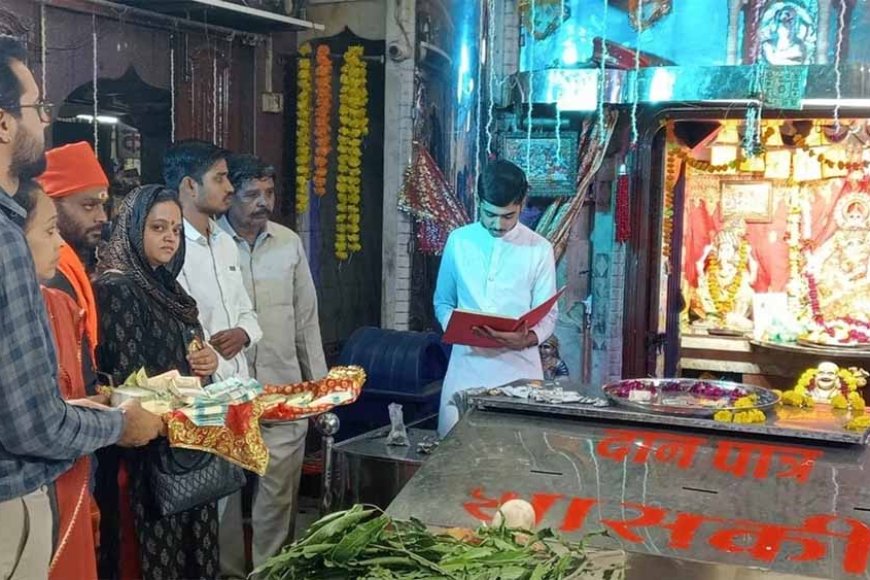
x=322, y=118
x=303, y=129
x=672, y=172
x=724, y=301
x=353, y=127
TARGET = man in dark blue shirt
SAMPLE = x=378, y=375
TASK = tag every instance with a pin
x=40, y=434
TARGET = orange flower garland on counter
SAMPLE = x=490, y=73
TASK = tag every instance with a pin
x=353, y=127
x=322, y=118
x=303, y=129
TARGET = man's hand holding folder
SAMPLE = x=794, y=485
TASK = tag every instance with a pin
x=493, y=331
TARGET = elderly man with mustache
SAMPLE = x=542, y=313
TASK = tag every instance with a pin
x=278, y=279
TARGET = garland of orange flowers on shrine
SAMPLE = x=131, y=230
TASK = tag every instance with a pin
x=801, y=141
x=796, y=261
x=303, y=129
x=353, y=101
x=322, y=117
x=701, y=165
x=724, y=302
x=672, y=173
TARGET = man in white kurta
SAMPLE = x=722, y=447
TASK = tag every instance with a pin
x=497, y=266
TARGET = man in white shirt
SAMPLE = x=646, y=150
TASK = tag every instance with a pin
x=497, y=266
x=277, y=277
x=212, y=273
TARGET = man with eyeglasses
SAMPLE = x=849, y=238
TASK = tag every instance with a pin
x=40, y=434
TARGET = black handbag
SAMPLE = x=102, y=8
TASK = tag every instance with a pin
x=181, y=479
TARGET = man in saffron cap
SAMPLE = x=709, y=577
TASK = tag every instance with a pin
x=74, y=179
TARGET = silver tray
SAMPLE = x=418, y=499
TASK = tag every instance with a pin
x=674, y=396
x=835, y=346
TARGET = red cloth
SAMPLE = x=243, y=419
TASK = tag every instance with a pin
x=70, y=265
x=70, y=169
x=75, y=553
x=701, y=224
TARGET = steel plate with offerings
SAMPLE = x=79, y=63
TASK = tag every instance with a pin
x=832, y=343
x=688, y=397
x=341, y=386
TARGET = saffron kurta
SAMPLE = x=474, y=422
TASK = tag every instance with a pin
x=507, y=276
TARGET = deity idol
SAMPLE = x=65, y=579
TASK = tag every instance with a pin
x=842, y=263
x=726, y=272
x=786, y=37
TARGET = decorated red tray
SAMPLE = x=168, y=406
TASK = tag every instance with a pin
x=341, y=386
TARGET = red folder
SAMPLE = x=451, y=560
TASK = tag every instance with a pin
x=460, y=329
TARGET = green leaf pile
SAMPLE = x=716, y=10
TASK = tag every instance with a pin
x=365, y=544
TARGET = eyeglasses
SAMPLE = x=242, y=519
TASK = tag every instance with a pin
x=43, y=109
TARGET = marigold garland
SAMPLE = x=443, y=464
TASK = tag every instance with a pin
x=708, y=167
x=322, y=118
x=796, y=262
x=303, y=129
x=807, y=381
x=353, y=127
x=855, y=330
x=672, y=171
x=724, y=302
x=801, y=141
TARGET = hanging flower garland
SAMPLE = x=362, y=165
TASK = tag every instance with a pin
x=701, y=165
x=303, y=129
x=801, y=141
x=846, y=330
x=672, y=173
x=623, y=209
x=724, y=301
x=322, y=118
x=796, y=289
x=353, y=126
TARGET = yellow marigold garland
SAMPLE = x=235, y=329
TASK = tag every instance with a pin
x=846, y=376
x=353, y=127
x=724, y=301
x=322, y=118
x=303, y=129
x=847, y=399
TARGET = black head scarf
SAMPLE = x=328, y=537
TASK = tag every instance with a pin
x=125, y=252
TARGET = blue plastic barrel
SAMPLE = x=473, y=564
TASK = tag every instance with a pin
x=396, y=361
x=401, y=367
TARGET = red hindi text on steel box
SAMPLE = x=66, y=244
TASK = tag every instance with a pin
x=793, y=462
x=760, y=541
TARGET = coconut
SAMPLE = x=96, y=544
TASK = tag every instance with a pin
x=515, y=514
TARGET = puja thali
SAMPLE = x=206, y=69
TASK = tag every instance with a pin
x=686, y=397
x=832, y=343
